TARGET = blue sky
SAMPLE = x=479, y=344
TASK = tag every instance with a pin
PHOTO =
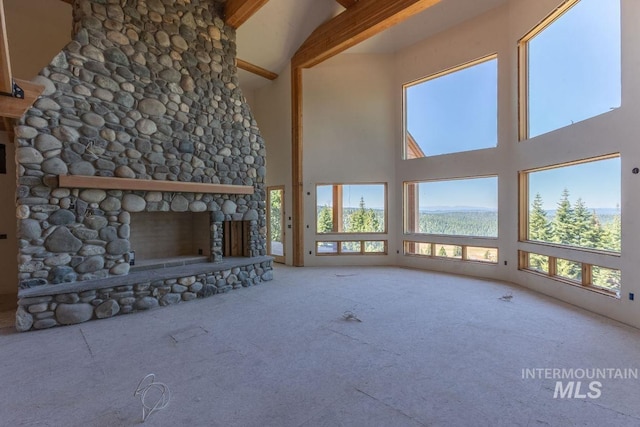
x=373, y=195
x=477, y=192
x=575, y=66
x=455, y=112
x=596, y=183
x=575, y=70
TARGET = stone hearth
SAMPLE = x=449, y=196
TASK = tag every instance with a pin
x=145, y=91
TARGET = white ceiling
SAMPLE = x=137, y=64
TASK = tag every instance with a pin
x=271, y=36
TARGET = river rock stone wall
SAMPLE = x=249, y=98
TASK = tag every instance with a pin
x=42, y=312
x=147, y=89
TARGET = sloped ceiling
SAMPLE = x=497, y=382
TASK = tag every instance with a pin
x=271, y=36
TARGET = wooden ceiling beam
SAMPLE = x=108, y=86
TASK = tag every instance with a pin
x=6, y=79
x=262, y=72
x=347, y=3
x=16, y=107
x=236, y=12
x=364, y=19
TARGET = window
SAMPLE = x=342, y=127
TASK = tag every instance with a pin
x=570, y=223
x=601, y=279
x=453, y=111
x=352, y=247
x=459, y=207
x=353, y=208
x=459, y=252
x=574, y=205
x=570, y=66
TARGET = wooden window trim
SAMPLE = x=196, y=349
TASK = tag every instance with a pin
x=337, y=213
x=586, y=281
x=362, y=251
x=410, y=145
x=433, y=255
x=523, y=205
x=523, y=66
x=411, y=213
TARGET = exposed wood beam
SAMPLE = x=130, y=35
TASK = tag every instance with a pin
x=7, y=126
x=364, y=19
x=236, y=12
x=347, y=3
x=296, y=167
x=110, y=183
x=247, y=66
x=6, y=79
x=413, y=149
x=16, y=107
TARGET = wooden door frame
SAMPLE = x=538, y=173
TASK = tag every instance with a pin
x=280, y=259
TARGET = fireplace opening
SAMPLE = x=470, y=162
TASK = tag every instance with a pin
x=170, y=238
x=236, y=239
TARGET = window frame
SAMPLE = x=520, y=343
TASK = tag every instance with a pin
x=337, y=211
x=409, y=213
x=524, y=203
x=587, y=257
x=407, y=138
x=464, y=257
x=523, y=67
x=585, y=282
x=362, y=251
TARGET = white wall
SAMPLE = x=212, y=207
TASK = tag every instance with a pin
x=349, y=137
x=499, y=31
x=8, y=247
x=482, y=36
x=37, y=30
x=353, y=133
x=271, y=106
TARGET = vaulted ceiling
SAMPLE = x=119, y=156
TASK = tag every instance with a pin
x=270, y=32
x=271, y=36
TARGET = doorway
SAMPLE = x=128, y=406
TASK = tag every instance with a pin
x=275, y=223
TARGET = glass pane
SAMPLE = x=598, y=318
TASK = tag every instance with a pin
x=539, y=263
x=363, y=208
x=327, y=247
x=276, y=231
x=482, y=254
x=374, y=247
x=454, y=112
x=574, y=66
x=350, y=247
x=324, y=208
x=461, y=207
x=577, y=205
x=606, y=278
x=449, y=251
x=569, y=270
x=417, y=248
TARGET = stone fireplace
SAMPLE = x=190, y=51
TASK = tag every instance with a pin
x=142, y=142
x=159, y=236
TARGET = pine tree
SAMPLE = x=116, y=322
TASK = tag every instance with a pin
x=615, y=231
x=595, y=236
x=442, y=252
x=325, y=220
x=582, y=223
x=539, y=227
x=562, y=226
x=275, y=202
x=363, y=220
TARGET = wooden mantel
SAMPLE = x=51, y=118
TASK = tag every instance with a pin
x=109, y=183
